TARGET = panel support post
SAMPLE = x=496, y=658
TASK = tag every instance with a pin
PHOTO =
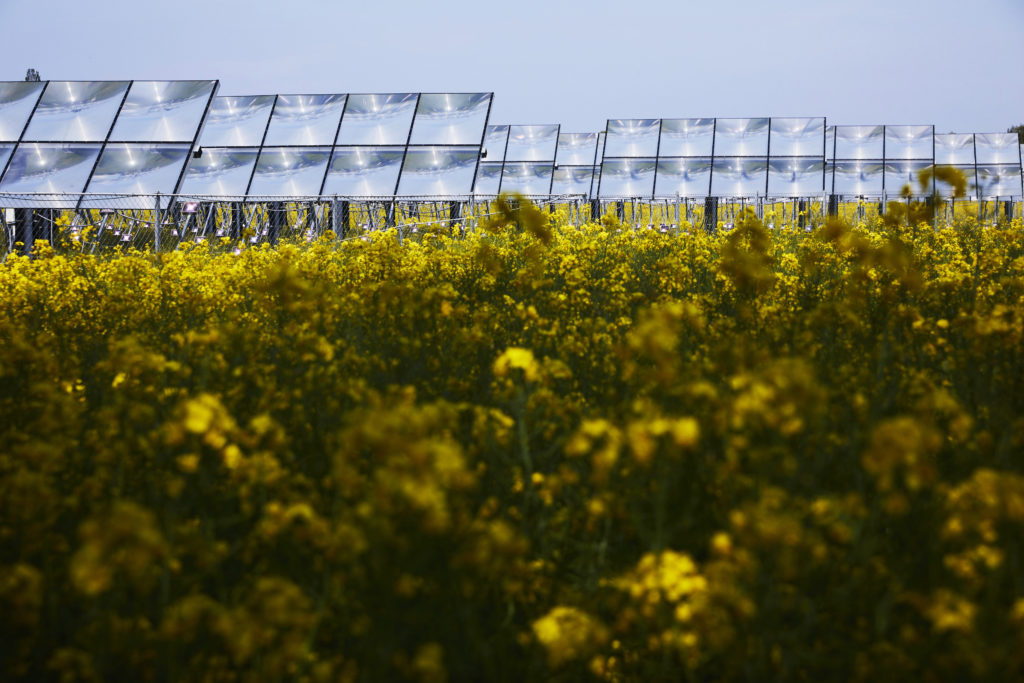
x=1008, y=210
x=454, y=213
x=237, y=211
x=595, y=210
x=157, y=221
x=346, y=209
x=620, y=210
x=833, y=205
x=275, y=214
x=389, y=214
x=24, y=229
x=710, y=214
x=802, y=215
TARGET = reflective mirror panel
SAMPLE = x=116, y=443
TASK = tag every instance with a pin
x=488, y=178
x=632, y=138
x=997, y=148
x=53, y=168
x=909, y=142
x=526, y=177
x=532, y=143
x=856, y=178
x=305, y=120
x=953, y=148
x=572, y=180
x=297, y=172
x=163, y=111
x=16, y=101
x=830, y=143
x=627, y=178
x=741, y=138
x=139, y=169
x=364, y=172
x=797, y=137
x=76, y=111
x=738, y=177
x=687, y=137
x=999, y=180
x=377, y=119
x=796, y=177
x=450, y=119
x=968, y=170
x=576, y=149
x=683, y=177
x=859, y=142
x=438, y=171
x=237, y=121
x=5, y=154
x=220, y=171
x=902, y=173
x=495, y=141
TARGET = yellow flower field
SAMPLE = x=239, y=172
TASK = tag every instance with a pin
x=533, y=452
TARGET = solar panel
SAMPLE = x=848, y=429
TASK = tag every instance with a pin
x=440, y=171
x=5, y=154
x=220, y=171
x=17, y=99
x=857, y=178
x=237, y=121
x=997, y=148
x=532, y=143
x=688, y=177
x=741, y=137
x=999, y=180
x=364, y=171
x=495, y=142
x=450, y=119
x=532, y=178
x=909, y=142
x=139, y=169
x=163, y=111
x=305, y=120
x=953, y=148
x=738, y=176
x=377, y=119
x=797, y=137
x=52, y=168
x=687, y=137
x=488, y=178
x=76, y=111
x=632, y=138
x=572, y=180
x=290, y=171
x=795, y=176
x=859, y=142
x=899, y=174
x=622, y=178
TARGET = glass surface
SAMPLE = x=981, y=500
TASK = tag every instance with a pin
x=53, y=168
x=5, y=154
x=364, y=172
x=741, y=138
x=999, y=180
x=16, y=101
x=76, y=111
x=909, y=142
x=495, y=140
x=576, y=149
x=220, y=171
x=683, y=177
x=797, y=137
x=305, y=120
x=968, y=170
x=795, y=177
x=162, y=111
x=488, y=178
x=526, y=177
x=450, y=119
x=438, y=171
x=532, y=143
x=284, y=172
x=377, y=119
x=139, y=169
x=237, y=121
x=687, y=137
x=899, y=174
x=854, y=178
x=997, y=148
x=572, y=180
x=632, y=138
x=627, y=178
x=953, y=148
x=859, y=142
x=830, y=143
x=739, y=177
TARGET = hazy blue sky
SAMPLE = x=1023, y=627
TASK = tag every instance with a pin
x=959, y=65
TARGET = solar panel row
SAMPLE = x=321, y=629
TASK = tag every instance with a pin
x=60, y=140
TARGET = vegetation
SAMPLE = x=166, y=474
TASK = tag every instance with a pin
x=534, y=452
